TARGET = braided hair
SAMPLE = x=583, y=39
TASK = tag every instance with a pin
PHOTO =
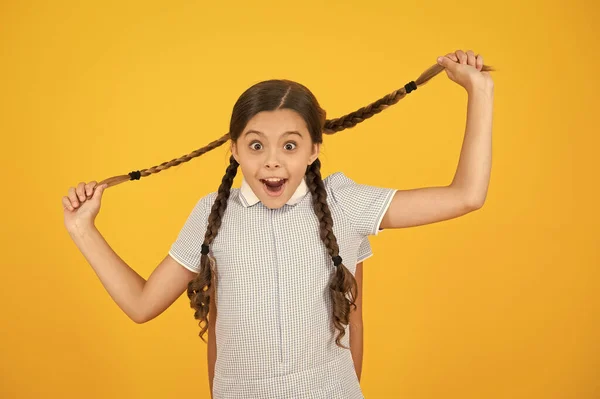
x=272, y=95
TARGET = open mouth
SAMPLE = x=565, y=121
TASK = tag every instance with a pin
x=274, y=186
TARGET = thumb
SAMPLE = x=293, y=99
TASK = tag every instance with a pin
x=98, y=192
x=446, y=63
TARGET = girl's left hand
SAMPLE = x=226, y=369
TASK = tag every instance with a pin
x=465, y=69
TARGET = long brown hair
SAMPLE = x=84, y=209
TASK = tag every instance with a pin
x=268, y=96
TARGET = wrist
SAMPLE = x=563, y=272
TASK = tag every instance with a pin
x=481, y=86
x=82, y=229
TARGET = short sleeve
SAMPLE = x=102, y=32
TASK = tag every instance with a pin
x=186, y=248
x=363, y=205
x=364, y=251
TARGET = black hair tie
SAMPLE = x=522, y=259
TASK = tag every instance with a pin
x=135, y=175
x=410, y=86
x=337, y=260
x=204, y=249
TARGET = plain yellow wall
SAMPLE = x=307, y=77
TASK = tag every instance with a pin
x=501, y=303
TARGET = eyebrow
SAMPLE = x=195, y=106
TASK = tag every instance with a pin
x=262, y=134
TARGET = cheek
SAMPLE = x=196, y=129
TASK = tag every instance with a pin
x=248, y=168
x=247, y=159
x=298, y=165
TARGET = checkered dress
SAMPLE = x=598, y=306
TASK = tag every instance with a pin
x=274, y=330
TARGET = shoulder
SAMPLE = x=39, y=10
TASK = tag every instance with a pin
x=363, y=204
x=340, y=187
x=209, y=198
x=204, y=204
x=337, y=180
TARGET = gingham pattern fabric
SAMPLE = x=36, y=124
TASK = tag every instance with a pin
x=274, y=330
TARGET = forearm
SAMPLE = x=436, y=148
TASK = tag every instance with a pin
x=121, y=282
x=356, y=346
x=474, y=166
x=212, y=352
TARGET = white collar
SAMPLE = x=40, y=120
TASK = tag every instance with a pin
x=249, y=198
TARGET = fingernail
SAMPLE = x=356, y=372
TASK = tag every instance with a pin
x=439, y=60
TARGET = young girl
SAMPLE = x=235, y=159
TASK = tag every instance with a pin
x=273, y=263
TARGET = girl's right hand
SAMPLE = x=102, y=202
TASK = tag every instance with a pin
x=82, y=205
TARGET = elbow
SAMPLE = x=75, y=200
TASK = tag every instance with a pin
x=472, y=198
x=139, y=318
x=474, y=203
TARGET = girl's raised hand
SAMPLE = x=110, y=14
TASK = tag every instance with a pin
x=82, y=205
x=465, y=69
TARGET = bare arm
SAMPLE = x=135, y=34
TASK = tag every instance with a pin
x=141, y=300
x=212, y=345
x=166, y=283
x=356, y=325
x=468, y=189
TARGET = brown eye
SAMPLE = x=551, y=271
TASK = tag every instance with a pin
x=290, y=146
x=256, y=146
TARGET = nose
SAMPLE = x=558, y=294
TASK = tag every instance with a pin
x=272, y=162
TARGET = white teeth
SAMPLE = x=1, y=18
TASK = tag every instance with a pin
x=274, y=180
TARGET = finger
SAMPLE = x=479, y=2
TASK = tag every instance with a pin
x=98, y=192
x=81, y=191
x=89, y=189
x=67, y=203
x=479, y=62
x=73, y=197
x=452, y=56
x=447, y=63
x=470, y=58
x=462, y=57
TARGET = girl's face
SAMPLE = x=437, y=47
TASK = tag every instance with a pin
x=273, y=151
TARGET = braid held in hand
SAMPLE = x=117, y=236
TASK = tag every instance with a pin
x=329, y=126
x=266, y=96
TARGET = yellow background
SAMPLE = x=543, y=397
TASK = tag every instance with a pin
x=500, y=303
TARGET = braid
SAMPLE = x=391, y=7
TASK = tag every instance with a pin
x=200, y=289
x=352, y=119
x=343, y=281
x=113, y=181
x=330, y=126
